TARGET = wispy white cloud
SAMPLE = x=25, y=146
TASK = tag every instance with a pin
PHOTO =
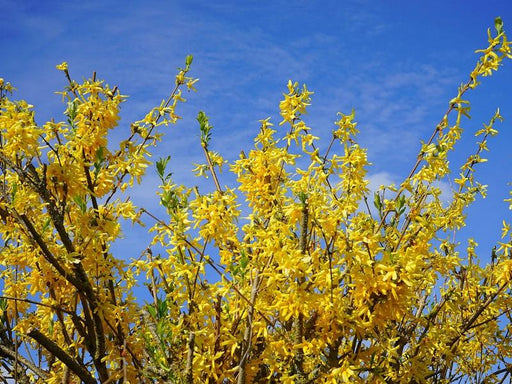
x=353, y=55
x=386, y=179
x=376, y=180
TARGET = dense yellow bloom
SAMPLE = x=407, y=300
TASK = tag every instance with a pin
x=20, y=132
x=58, y=221
x=291, y=277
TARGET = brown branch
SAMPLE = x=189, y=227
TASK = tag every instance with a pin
x=81, y=283
x=47, y=253
x=247, y=341
x=431, y=317
x=464, y=88
x=212, y=264
x=54, y=307
x=298, y=360
x=210, y=166
x=9, y=353
x=144, y=141
x=53, y=348
x=218, y=320
x=90, y=340
x=469, y=323
x=189, y=374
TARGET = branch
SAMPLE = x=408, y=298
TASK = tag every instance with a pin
x=54, y=307
x=81, y=282
x=212, y=169
x=53, y=348
x=189, y=374
x=247, y=341
x=47, y=253
x=141, y=145
x=9, y=353
x=298, y=360
x=211, y=263
x=469, y=323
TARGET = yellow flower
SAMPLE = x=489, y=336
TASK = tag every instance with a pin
x=62, y=66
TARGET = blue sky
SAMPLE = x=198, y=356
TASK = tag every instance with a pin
x=396, y=62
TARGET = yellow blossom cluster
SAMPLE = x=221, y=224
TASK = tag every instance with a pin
x=315, y=285
x=296, y=275
x=63, y=289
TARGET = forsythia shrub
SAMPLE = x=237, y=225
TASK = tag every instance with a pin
x=320, y=282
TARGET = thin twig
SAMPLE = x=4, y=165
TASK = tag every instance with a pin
x=53, y=348
x=16, y=356
x=247, y=340
x=212, y=169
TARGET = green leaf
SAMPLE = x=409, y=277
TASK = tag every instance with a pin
x=14, y=189
x=303, y=198
x=46, y=224
x=100, y=158
x=3, y=304
x=160, y=330
x=377, y=202
x=171, y=200
x=161, y=308
x=81, y=203
x=161, y=165
x=244, y=260
x=71, y=111
x=188, y=60
x=498, y=24
x=100, y=154
x=205, y=127
x=401, y=204
x=152, y=311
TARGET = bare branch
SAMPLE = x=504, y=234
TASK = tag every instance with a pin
x=71, y=363
x=11, y=354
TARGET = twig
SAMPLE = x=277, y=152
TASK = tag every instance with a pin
x=247, y=341
x=212, y=169
x=54, y=307
x=8, y=352
x=212, y=264
x=53, y=348
x=189, y=377
x=298, y=359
